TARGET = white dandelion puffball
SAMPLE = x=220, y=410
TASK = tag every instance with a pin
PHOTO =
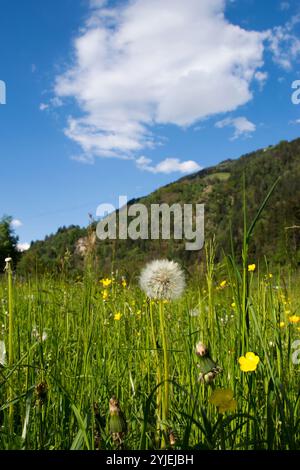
x=162, y=280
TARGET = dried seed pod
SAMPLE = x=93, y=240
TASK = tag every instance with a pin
x=201, y=349
x=41, y=393
x=117, y=423
x=208, y=367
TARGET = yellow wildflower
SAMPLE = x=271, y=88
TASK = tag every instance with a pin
x=251, y=268
x=282, y=324
x=106, y=282
x=223, y=284
x=233, y=305
x=270, y=275
x=223, y=400
x=117, y=316
x=105, y=294
x=294, y=319
x=249, y=362
x=124, y=283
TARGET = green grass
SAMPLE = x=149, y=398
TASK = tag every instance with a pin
x=60, y=388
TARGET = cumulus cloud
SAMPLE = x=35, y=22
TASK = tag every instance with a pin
x=23, y=246
x=145, y=63
x=169, y=165
x=16, y=223
x=241, y=125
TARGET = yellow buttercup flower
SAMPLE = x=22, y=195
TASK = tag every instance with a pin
x=223, y=400
x=124, y=283
x=249, y=362
x=106, y=282
x=223, y=284
x=294, y=319
x=282, y=324
x=117, y=316
x=251, y=268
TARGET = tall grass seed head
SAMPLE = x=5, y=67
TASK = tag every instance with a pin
x=162, y=280
x=41, y=392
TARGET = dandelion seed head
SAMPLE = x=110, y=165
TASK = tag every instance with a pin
x=162, y=280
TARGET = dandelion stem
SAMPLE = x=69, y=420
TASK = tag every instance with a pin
x=165, y=402
x=157, y=366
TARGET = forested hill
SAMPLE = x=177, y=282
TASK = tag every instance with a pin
x=220, y=188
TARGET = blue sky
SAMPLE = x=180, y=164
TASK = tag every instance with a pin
x=110, y=98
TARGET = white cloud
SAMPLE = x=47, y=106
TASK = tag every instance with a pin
x=84, y=158
x=169, y=165
x=23, y=246
x=153, y=62
x=55, y=102
x=261, y=78
x=43, y=106
x=242, y=126
x=284, y=43
x=16, y=223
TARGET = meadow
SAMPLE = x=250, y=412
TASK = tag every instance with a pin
x=72, y=345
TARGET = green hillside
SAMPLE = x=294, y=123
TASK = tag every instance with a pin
x=220, y=188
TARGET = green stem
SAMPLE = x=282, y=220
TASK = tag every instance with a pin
x=245, y=312
x=165, y=402
x=10, y=336
x=157, y=366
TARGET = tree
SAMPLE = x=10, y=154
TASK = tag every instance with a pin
x=8, y=242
